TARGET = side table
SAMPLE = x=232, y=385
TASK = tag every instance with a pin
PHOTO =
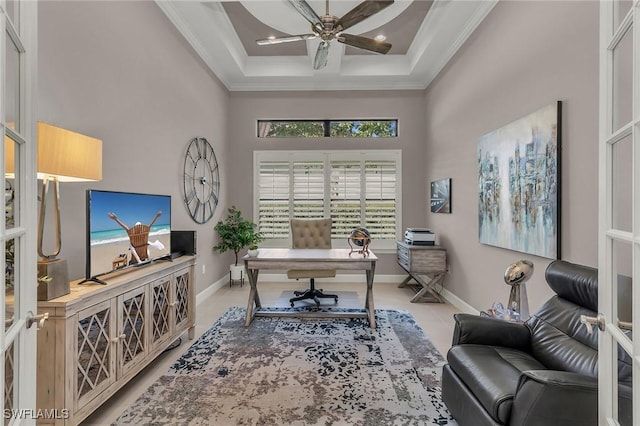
x=422, y=262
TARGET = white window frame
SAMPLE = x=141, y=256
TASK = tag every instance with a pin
x=380, y=246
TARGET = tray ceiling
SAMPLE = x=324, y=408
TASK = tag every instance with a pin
x=424, y=34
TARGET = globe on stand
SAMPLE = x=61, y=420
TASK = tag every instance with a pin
x=361, y=237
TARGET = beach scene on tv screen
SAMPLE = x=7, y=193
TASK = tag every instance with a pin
x=127, y=229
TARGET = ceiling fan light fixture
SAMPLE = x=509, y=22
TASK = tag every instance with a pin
x=328, y=27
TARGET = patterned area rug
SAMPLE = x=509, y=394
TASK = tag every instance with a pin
x=291, y=371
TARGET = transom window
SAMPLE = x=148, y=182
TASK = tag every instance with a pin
x=327, y=128
x=354, y=188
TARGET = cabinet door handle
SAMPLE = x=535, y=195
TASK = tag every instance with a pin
x=172, y=304
x=118, y=338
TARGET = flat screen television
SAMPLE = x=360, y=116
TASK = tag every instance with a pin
x=125, y=229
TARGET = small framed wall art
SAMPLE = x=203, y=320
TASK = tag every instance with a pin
x=440, y=197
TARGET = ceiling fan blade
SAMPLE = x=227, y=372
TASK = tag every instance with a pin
x=285, y=39
x=361, y=12
x=320, y=60
x=364, y=43
x=307, y=11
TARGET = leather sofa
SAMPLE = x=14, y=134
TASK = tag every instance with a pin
x=543, y=372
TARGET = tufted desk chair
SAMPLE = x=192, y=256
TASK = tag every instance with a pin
x=310, y=234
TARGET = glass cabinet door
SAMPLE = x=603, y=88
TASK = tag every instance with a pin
x=160, y=311
x=95, y=356
x=132, y=329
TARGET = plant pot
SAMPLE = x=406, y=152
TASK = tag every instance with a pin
x=236, y=272
x=253, y=253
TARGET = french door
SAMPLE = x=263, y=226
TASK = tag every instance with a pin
x=18, y=28
x=619, y=214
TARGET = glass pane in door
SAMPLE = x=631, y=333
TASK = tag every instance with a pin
x=621, y=8
x=625, y=387
x=622, y=184
x=9, y=357
x=12, y=84
x=10, y=282
x=12, y=7
x=622, y=81
x=622, y=282
x=11, y=212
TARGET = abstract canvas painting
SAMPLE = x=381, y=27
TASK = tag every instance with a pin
x=519, y=186
x=440, y=196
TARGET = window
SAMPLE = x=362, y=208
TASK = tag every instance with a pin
x=354, y=188
x=327, y=128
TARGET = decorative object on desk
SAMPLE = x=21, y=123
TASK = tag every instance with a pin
x=337, y=371
x=519, y=184
x=517, y=275
x=236, y=233
x=361, y=237
x=440, y=196
x=201, y=180
x=63, y=156
x=253, y=250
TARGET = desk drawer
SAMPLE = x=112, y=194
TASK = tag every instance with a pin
x=403, y=257
x=428, y=261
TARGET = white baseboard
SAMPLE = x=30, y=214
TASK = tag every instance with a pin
x=458, y=303
x=350, y=278
x=211, y=289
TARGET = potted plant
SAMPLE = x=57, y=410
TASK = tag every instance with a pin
x=236, y=233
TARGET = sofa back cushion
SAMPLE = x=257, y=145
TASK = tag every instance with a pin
x=573, y=282
x=558, y=339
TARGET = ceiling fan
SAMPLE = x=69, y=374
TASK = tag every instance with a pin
x=329, y=27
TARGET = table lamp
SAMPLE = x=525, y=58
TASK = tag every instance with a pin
x=63, y=156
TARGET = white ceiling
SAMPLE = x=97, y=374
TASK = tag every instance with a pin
x=424, y=34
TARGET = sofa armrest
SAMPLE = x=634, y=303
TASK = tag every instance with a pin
x=547, y=398
x=473, y=329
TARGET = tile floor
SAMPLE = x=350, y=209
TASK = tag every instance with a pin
x=434, y=318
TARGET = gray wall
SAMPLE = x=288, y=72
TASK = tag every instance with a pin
x=407, y=106
x=525, y=55
x=120, y=72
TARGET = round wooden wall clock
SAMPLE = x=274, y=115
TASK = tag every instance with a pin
x=201, y=179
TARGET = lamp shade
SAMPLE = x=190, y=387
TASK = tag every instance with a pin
x=68, y=156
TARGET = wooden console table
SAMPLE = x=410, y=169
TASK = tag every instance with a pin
x=309, y=259
x=99, y=337
x=423, y=261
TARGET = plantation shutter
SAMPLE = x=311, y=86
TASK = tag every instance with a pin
x=308, y=189
x=273, y=214
x=346, y=207
x=380, y=198
x=355, y=188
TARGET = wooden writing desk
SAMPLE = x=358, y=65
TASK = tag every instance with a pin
x=309, y=259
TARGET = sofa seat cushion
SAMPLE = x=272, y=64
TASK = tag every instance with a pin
x=491, y=373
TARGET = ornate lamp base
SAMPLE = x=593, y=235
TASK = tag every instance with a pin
x=53, y=279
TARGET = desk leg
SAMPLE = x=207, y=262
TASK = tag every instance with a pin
x=254, y=298
x=369, y=298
